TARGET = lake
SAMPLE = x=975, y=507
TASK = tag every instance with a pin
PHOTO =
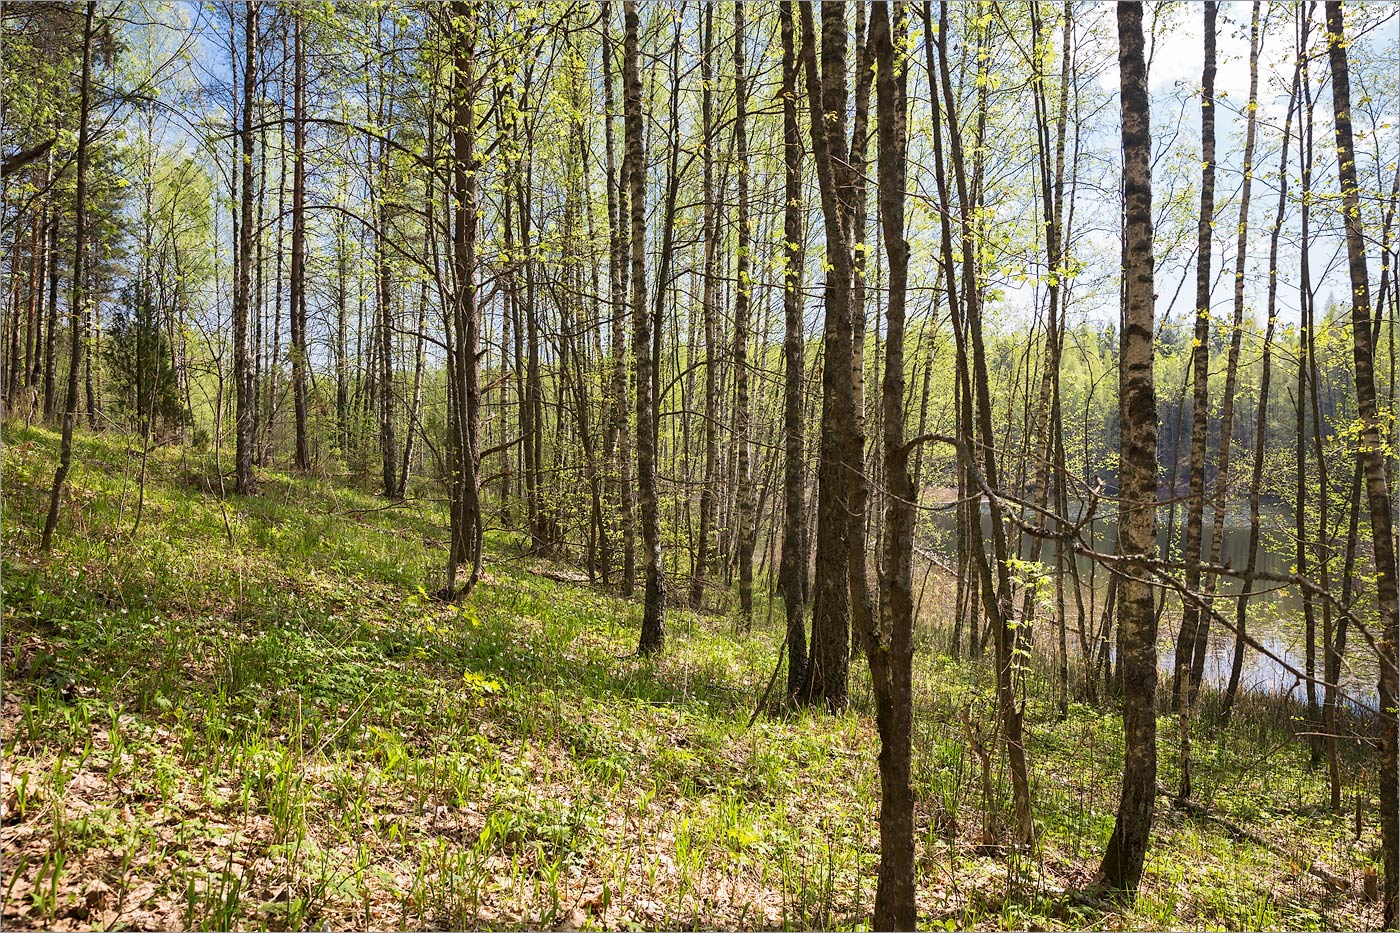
x=1274, y=618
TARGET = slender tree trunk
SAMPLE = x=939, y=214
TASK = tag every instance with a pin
x=1261, y=418
x=77, y=306
x=1371, y=453
x=996, y=584
x=267, y=446
x=1048, y=403
x=1302, y=552
x=1227, y=415
x=592, y=350
x=342, y=348
x=745, y=508
x=384, y=305
x=419, y=353
x=532, y=424
x=92, y=332
x=890, y=647
x=1308, y=360
x=574, y=332
x=258, y=299
x=794, y=514
x=298, y=270
x=526, y=474
x=969, y=525
x=617, y=442
x=51, y=328
x=1137, y=633
x=653, y=634
x=1194, y=623
x=708, y=302
x=245, y=398
x=1325, y=720
x=11, y=360
x=664, y=284
x=33, y=325
x=415, y=400
x=829, y=656
x=858, y=480
x=464, y=392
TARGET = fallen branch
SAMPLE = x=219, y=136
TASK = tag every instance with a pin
x=935, y=560
x=562, y=576
x=1203, y=813
x=396, y=504
x=763, y=700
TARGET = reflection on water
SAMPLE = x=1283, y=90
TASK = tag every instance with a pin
x=1275, y=616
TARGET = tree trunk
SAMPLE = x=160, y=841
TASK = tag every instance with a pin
x=1137, y=629
x=463, y=389
x=51, y=328
x=1048, y=403
x=298, y=270
x=1305, y=327
x=890, y=648
x=829, y=657
x=532, y=421
x=77, y=306
x=267, y=445
x=1194, y=622
x=665, y=258
x=995, y=576
x=744, y=517
x=342, y=349
x=415, y=399
x=794, y=555
x=1262, y=411
x=708, y=301
x=653, y=634
x=384, y=304
x=11, y=360
x=1227, y=415
x=1372, y=455
x=245, y=396
x=419, y=352
x=858, y=480
x=33, y=326
x=616, y=442
x=92, y=333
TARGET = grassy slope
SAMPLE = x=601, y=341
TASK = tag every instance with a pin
x=283, y=731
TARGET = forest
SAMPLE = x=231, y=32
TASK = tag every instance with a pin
x=706, y=464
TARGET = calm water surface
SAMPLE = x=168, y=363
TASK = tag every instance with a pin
x=1274, y=618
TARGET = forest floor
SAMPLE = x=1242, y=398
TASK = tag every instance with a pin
x=250, y=714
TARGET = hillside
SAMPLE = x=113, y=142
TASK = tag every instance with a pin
x=249, y=714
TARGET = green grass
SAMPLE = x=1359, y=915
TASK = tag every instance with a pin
x=250, y=714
